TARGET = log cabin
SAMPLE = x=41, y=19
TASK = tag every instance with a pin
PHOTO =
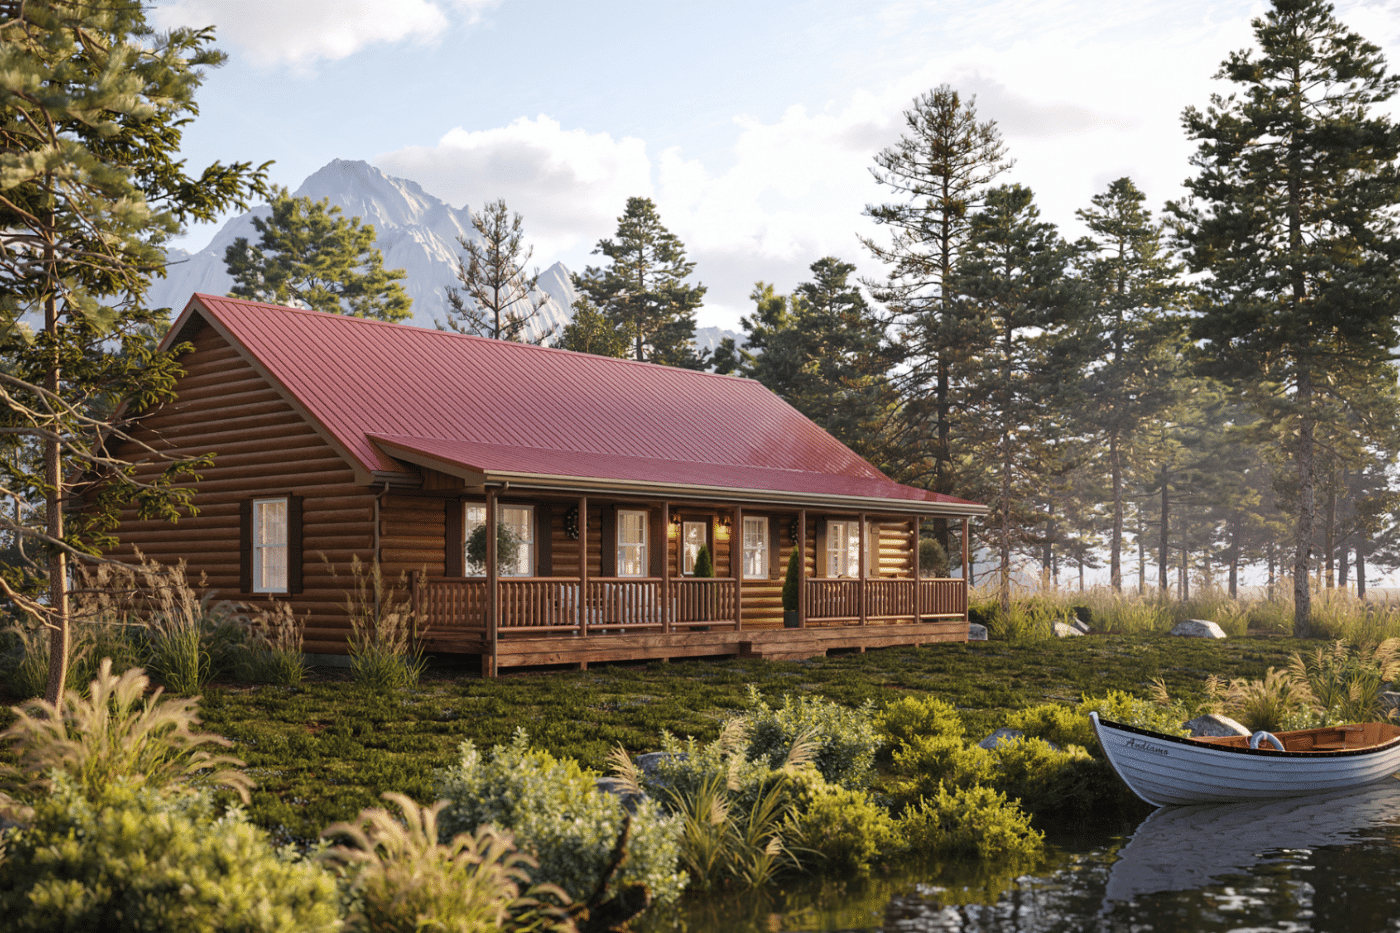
x=546, y=507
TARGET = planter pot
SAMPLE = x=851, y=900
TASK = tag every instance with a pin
x=790, y=618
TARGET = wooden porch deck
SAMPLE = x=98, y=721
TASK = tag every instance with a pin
x=564, y=620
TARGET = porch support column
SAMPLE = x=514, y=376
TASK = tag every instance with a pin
x=666, y=614
x=966, y=566
x=799, y=551
x=736, y=565
x=862, y=564
x=918, y=574
x=582, y=566
x=488, y=665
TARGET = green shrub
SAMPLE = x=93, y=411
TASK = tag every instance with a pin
x=1118, y=706
x=790, y=584
x=971, y=821
x=844, y=739
x=925, y=763
x=908, y=717
x=1047, y=780
x=1055, y=723
x=140, y=859
x=507, y=546
x=933, y=560
x=1346, y=681
x=406, y=881
x=560, y=818
x=840, y=828
x=704, y=562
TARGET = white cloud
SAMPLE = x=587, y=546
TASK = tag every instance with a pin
x=302, y=32
x=570, y=185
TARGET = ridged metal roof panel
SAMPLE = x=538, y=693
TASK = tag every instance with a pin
x=360, y=378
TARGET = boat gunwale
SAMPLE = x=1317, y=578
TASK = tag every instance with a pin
x=1264, y=752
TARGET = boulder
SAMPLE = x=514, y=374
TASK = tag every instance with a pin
x=1063, y=631
x=976, y=632
x=1000, y=735
x=1080, y=626
x=613, y=786
x=1197, y=628
x=1215, y=724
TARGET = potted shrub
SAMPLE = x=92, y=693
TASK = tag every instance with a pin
x=791, y=593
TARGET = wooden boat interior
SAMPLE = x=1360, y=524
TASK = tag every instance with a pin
x=1325, y=739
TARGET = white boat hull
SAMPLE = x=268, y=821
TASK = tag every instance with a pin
x=1166, y=770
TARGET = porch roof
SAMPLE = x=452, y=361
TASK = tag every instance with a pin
x=386, y=395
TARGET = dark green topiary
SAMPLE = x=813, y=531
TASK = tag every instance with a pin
x=933, y=560
x=704, y=564
x=790, y=585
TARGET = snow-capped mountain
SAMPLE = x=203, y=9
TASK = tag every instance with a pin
x=414, y=230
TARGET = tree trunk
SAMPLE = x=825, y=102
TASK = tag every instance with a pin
x=1330, y=534
x=1302, y=553
x=1360, y=571
x=60, y=634
x=1162, y=551
x=1142, y=554
x=1269, y=551
x=1234, y=556
x=1115, y=538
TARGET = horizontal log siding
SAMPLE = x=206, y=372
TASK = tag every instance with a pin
x=261, y=447
x=413, y=534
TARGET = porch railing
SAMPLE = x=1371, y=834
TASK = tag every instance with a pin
x=611, y=605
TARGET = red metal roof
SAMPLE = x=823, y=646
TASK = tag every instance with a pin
x=503, y=407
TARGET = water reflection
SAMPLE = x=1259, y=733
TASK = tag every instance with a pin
x=1317, y=864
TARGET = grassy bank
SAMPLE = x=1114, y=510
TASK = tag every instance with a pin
x=325, y=750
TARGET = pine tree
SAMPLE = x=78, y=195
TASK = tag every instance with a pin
x=92, y=105
x=1130, y=333
x=498, y=299
x=825, y=351
x=643, y=291
x=943, y=165
x=590, y=332
x=309, y=256
x=1292, y=218
x=1012, y=275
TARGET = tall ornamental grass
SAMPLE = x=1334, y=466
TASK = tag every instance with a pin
x=385, y=651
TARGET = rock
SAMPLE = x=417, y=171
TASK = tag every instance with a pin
x=1080, y=626
x=1215, y=724
x=1064, y=631
x=1197, y=628
x=1390, y=700
x=648, y=761
x=976, y=632
x=613, y=786
x=999, y=736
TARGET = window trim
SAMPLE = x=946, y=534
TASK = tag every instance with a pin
x=705, y=534
x=532, y=544
x=853, y=527
x=644, y=553
x=762, y=558
x=258, y=548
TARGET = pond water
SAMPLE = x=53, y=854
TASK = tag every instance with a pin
x=1315, y=864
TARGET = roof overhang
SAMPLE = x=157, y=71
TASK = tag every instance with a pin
x=482, y=465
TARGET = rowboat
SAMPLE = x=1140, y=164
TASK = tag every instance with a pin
x=1168, y=770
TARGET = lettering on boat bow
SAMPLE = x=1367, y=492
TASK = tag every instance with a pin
x=1147, y=747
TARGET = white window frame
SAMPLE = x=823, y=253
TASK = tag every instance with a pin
x=638, y=547
x=688, y=556
x=269, y=538
x=755, y=540
x=525, y=560
x=843, y=557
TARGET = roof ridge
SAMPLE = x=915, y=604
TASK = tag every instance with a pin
x=469, y=337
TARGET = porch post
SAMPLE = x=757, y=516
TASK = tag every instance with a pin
x=918, y=575
x=666, y=619
x=967, y=580
x=582, y=566
x=861, y=563
x=800, y=552
x=492, y=595
x=736, y=565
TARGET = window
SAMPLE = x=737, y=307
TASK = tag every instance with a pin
x=516, y=525
x=269, y=545
x=694, y=536
x=755, y=547
x=631, y=543
x=843, y=549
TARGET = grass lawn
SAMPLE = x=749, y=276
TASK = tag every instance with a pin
x=323, y=751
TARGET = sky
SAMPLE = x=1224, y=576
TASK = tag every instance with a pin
x=751, y=125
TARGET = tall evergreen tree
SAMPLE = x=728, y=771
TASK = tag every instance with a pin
x=1292, y=220
x=589, y=331
x=1131, y=333
x=309, y=256
x=498, y=298
x=825, y=351
x=92, y=105
x=1012, y=275
x=643, y=291
x=942, y=165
